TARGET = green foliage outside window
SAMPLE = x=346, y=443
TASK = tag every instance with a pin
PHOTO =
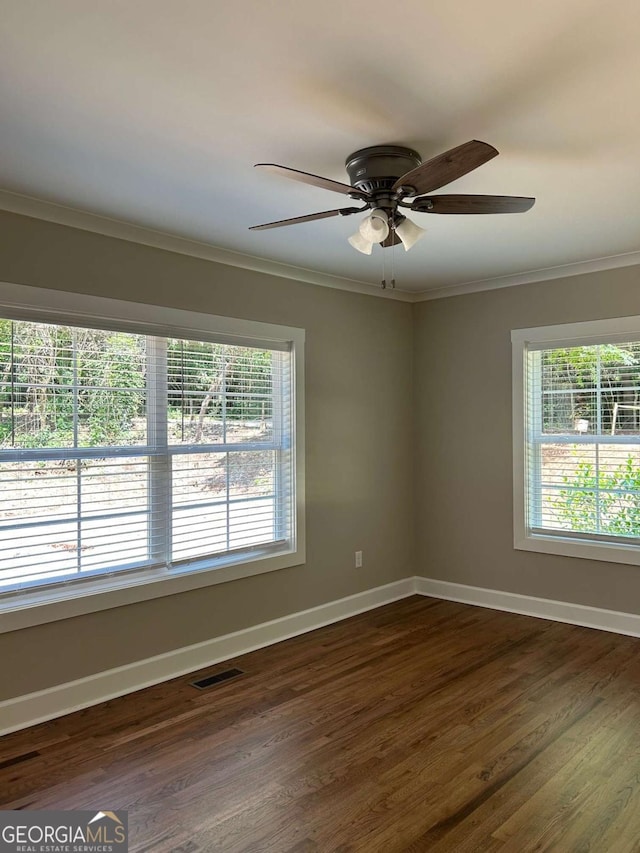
x=58, y=384
x=596, y=387
x=604, y=502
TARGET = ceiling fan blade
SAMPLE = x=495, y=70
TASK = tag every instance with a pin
x=340, y=211
x=308, y=178
x=447, y=167
x=473, y=204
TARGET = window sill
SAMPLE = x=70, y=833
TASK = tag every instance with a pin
x=30, y=608
x=568, y=546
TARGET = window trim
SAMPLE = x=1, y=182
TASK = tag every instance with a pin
x=37, y=606
x=621, y=329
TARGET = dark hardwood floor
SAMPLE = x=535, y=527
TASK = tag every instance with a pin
x=421, y=726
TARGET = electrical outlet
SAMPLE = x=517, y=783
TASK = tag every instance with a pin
x=358, y=559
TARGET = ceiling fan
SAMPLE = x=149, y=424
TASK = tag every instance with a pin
x=385, y=178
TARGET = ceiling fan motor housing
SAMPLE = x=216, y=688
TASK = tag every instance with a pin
x=379, y=167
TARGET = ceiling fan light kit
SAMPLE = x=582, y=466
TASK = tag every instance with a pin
x=376, y=227
x=385, y=178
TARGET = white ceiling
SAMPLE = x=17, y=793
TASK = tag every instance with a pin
x=153, y=112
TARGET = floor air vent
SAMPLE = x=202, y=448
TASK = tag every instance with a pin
x=210, y=680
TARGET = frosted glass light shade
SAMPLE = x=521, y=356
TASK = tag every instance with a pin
x=375, y=227
x=409, y=233
x=358, y=242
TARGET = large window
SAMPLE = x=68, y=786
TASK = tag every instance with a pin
x=577, y=439
x=131, y=455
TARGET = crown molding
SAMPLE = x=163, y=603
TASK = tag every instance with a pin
x=610, y=262
x=75, y=218
x=85, y=221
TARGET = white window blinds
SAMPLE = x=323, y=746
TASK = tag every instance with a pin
x=583, y=441
x=122, y=451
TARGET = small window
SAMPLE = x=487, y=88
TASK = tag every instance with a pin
x=577, y=439
x=131, y=455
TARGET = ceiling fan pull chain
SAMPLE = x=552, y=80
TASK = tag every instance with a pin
x=393, y=257
x=384, y=272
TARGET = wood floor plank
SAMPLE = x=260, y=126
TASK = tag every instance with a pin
x=564, y=762
x=424, y=726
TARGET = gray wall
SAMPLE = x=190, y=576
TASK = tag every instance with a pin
x=359, y=454
x=387, y=458
x=464, y=454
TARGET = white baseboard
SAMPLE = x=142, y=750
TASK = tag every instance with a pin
x=33, y=708
x=527, y=605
